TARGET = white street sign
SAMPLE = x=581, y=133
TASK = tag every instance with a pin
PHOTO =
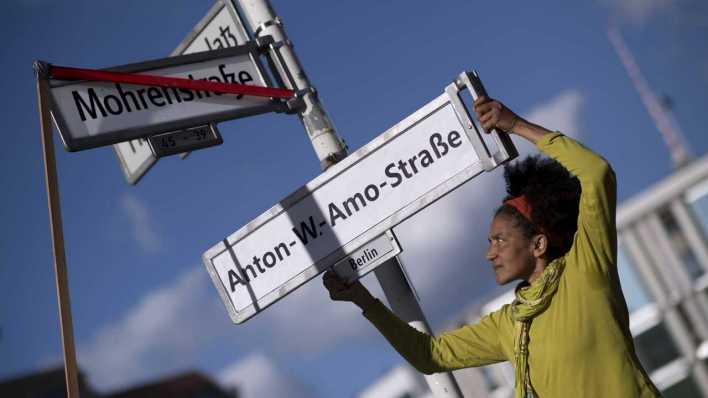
x=90, y=114
x=220, y=28
x=400, y=172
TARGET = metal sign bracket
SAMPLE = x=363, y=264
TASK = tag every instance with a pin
x=503, y=149
x=277, y=61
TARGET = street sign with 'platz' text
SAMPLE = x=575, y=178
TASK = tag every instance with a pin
x=353, y=203
x=221, y=27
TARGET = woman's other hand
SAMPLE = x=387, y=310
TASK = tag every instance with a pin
x=340, y=291
x=493, y=114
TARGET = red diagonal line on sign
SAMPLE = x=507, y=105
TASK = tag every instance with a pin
x=62, y=72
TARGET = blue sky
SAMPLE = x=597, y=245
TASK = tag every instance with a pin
x=142, y=303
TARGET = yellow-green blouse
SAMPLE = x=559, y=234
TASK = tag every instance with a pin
x=581, y=345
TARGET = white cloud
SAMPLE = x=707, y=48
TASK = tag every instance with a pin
x=141, y=222
x=166, y=329
x=160, y=334
x=561, y=113
x=258, y=376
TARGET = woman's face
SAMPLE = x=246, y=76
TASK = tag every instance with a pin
x=510, y=253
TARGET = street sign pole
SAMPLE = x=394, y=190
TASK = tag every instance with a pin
x=263, y=21
x=59, y=257
x=330, y=149
x=404, y=303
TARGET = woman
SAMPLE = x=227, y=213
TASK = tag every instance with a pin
x=567, y=332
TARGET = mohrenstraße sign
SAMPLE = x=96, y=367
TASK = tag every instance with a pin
x=400, y=172
x=89, y=114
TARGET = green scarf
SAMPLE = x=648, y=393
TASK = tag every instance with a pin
x=531, y=300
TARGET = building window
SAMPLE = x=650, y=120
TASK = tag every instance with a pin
x=655, y=348
x=685, y=388
x=680, y=244
x=697, y=198
x=635, y=293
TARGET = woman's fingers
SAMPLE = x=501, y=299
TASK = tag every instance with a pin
x=487, y=111
x=489, y=115
x=482, y=108
x=337, y=288
x=331, y=281
x=490, y=119
x=492, y=114
x=480, y=100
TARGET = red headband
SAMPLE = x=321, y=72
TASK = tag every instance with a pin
x=521, y=205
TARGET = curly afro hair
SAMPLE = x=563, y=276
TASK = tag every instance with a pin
x=553, y=194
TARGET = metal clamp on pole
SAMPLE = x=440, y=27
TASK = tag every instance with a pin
x=262, y=26
x=277, y=60
x=41, y=69
x=297, y=103
x=264, y=43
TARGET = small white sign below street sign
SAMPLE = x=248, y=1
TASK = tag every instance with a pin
x=366, y=258
x=180, y=141
x=220, y=28
x=400, y=172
